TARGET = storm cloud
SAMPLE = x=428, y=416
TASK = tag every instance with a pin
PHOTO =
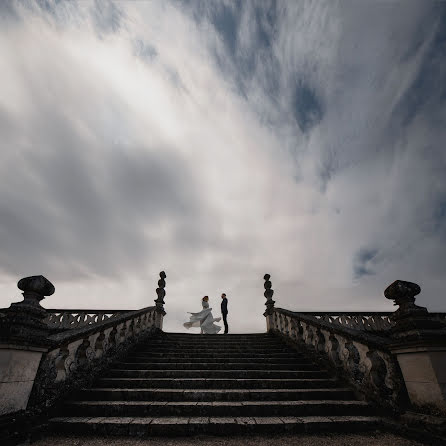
x=219, y=141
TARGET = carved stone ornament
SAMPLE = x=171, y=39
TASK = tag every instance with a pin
x=403, y=293
x=38, y=285
x=23, y=322
x=161, y=292
x=269, y=295
x=409, y=316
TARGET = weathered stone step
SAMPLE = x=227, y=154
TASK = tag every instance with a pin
x=218, y=340
x=112, y=394
x=301, y=365
x=132, y=370
x=258, y=362
x=216, y=336
x=144, y=426
x=221, y=383
x=207, y=350
x=262, y=344
x=313, y=372
x=244, y=359
x=204, y=340
x=218, y=354
x=215, y=409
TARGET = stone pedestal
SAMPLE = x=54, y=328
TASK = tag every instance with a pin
x=18, y=368
x=424, y=371
x=419, y=344
x=23, y=340
x=269, y=322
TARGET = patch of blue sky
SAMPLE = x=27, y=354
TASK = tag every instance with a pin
x=363, y=261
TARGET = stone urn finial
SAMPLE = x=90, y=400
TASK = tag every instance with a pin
x=24, y=322
x=403, y=293
x=35, y=288
x=268, y=294
x=161, y=292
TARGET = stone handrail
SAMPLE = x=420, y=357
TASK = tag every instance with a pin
x=371, y=321
x=63, y=319
x=365, y=321
x=75, y=354
x=362, y=358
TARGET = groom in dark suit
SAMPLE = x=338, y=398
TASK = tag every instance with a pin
x=224, y=311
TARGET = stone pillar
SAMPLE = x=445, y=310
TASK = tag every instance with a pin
x=23, y=340
x=269, y=303
x=419, y=343
x=159, y=302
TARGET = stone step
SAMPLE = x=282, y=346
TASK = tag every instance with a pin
x=236, y=374
x=264, y=344
x=216, y=383
x=192, y=336
x=215, y=409
x=145, y=426
x=257, y=362
x=199, y=359
x=301, y=365
x=217, y=354
x=214, y=340
x=112, y=394
x=133, y=370
x=219, y=350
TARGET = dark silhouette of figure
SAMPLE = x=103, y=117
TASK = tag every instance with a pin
x=224, y=311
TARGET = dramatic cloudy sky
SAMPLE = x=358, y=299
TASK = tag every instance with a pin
x=220, y=140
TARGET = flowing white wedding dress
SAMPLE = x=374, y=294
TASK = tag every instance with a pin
x=204, y=319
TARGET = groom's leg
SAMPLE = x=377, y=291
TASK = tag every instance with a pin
x=225, y=322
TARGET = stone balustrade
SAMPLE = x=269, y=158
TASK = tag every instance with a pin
x=371, y=321
x=63, y=319
x=44, y=354
x=364, y=359
x=78, y=354
x=395, y=359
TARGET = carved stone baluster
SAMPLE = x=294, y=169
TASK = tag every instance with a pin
x=354, y=365
x=131, y=331
x=112, y=337
x=322, y=340
x=138, y=325
x=99, y=346
x=299, y=331
x=378, y=373
x=59, y=363
x=332, y=349
x=122, y=333
x=307, y=334
x=281, y=323
x=288, y=326
x=84, y=353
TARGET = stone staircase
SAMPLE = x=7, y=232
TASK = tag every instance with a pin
x=182, y=384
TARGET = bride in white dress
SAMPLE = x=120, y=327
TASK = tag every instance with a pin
x=204, y=319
